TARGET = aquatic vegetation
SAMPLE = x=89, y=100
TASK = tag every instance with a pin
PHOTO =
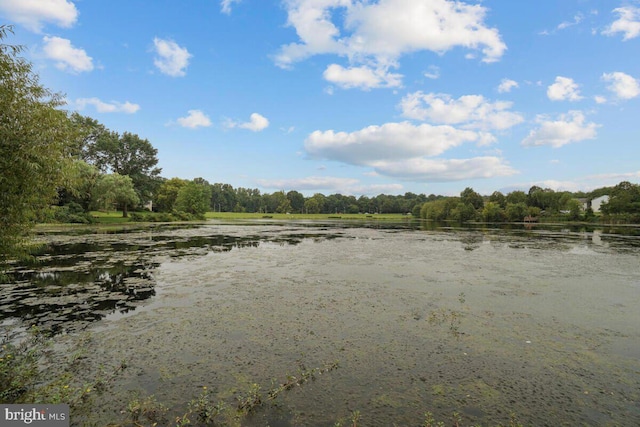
x=451, y=317
x=25, y=375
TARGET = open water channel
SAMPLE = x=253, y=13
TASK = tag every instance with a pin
x=543, y=322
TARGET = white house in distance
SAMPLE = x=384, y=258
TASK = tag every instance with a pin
x=597, y=203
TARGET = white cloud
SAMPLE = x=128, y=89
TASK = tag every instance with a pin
x=391, y=141
x=628, y=22
x=171, y=59
x=403, y=150
x=622, y=85
x=570, y=127
x=225, y=5
x=195, y=119
x=67, y=57
x=506, y=85
x=107, y=107
x=564, y=89
x=444, y=170
x=472, y=111
x=616, y=177
x=378, y=34
x=600, y=99
x=32, y=14
x=256, y=123
x=433, y=72
x=578, y=18
x=361, y=77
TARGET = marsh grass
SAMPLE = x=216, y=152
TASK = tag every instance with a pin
x=26, y=374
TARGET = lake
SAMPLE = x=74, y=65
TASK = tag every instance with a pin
x=542, y=322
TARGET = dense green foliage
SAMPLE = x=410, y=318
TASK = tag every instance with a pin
x=129, y=155
x=34, y=148
x=193, y=198
x=116, y=189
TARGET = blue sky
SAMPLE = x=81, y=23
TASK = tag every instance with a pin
x=355, y=96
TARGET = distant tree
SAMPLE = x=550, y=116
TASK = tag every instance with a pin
x=312, y=206
x=296, y=201
x=82, y=183
x=516, y=197
x=34, y=148
x=193, y=198
x=575, y=209
x=320, y=202
x=492, y=212
x=624, y=198
x=223, y=197
x=468, y=196
x=167, y=194
x=439, y=209
x=87, y=131
x=116, y=189
x=515, y=212
x=278, y=202
x=499, y=198
x=463, y=212
x=129, y=155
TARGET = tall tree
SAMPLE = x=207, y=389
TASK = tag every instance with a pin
x=34, y=149
x=130, y=155
x=296, y=199
x=87, y=131
x=165, y=197
x=194, y=198
x=468, y=196
x=116, y=189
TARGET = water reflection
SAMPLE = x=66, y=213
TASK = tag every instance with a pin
x=70, y=283
x=78, y=278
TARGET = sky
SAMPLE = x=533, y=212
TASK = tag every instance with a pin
x=358, y=97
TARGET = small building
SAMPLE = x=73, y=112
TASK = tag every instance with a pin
x=597, y=203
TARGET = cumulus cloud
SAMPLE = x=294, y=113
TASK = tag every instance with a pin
x=506, y=85
x=470, y=111
x=194, y=119
x=628, y=23
x=568, y=128
x=171, y=59
x=622, y=85
x=225, y=6
x=107, y=107
x=256, y=123
x=361, y=77
x=67, y=57
x=564, y=89
x=378, y=34
x=33, y=14
x=404, y=150
x=444, y=170
x=392, y=141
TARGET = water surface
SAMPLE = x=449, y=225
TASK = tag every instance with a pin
x=541, y=322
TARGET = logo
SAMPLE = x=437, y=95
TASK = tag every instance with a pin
x=34, y=415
